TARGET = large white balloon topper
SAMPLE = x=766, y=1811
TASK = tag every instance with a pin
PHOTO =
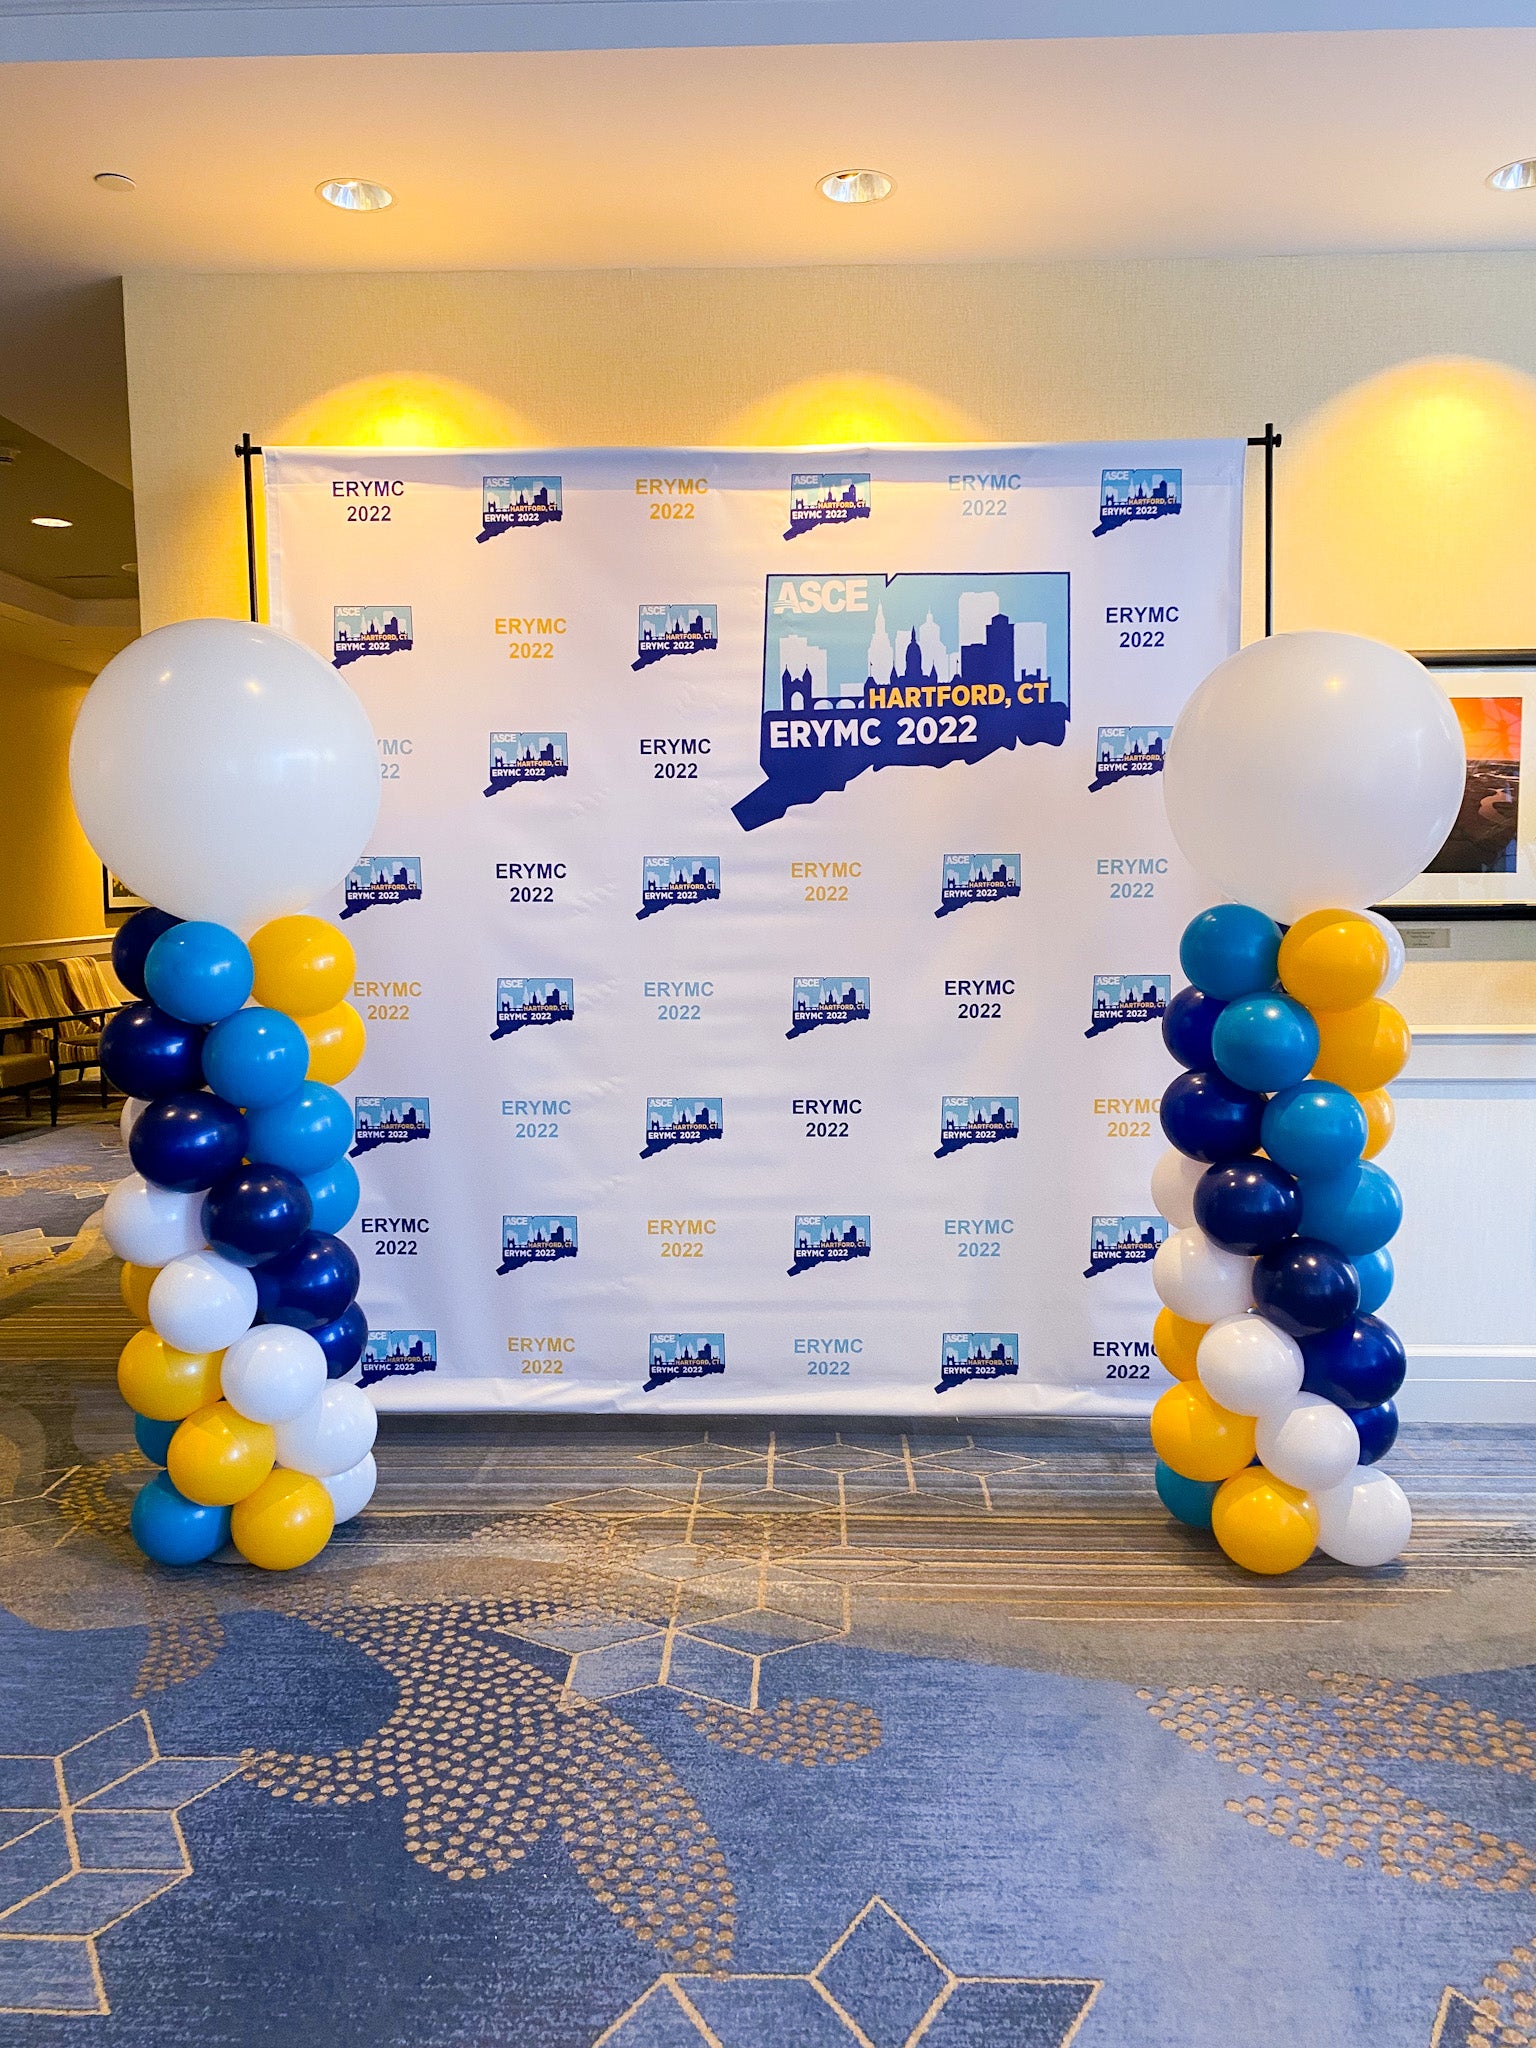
x=224, y=771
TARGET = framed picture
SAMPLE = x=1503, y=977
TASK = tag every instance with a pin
x=1487, y=867
x=116, y=895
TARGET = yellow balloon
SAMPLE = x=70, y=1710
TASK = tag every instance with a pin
x=1380, y=1120
x=303, y=965
x=1333, y=960
x=217, y=1457
x=164, y=1384
x=1176, y=1341
x=1196, y=1437
x=1363, y=1048
x=134, y=1283
x=1263, y=1524
x=285, y=1522
x=336, y=1040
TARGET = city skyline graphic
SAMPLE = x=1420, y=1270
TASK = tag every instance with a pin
x=976, y=1120
x=676, y=629
x=523, y=1001
x=1123, y=752
x=685, y=1355
x=977, y=1355
x=389, y=1120
x=379, y=879
x=518, y=757
x=978, y=878
x=828, y=1241
x=359, y=629
x=672, y=1120
x=1122, y=1241
x=1127, y=999
x=535, y=1241
x=827, y=999
x=668, y=879
x=395, y=1354
x=826, y=498
x=1127, y=496
x=507, y=502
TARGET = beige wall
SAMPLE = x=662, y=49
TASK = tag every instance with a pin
x=52, y=878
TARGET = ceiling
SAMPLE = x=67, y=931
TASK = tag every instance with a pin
x=90, y=558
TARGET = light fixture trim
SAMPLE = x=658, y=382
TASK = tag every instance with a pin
x=856, y=187
x=355, y=195
x=1518, y=176
x=46, y=519
x=114, y=181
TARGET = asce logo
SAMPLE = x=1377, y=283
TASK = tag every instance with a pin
x=977, y=878
x=672, y=878
x=1129, y=495
x=829, y=1241
x=681, y=1120
x=676, y=629
x=536, y=1241
x=522, y=1001
x=828, y=999
x=977, y=1355
x=684, y=1355
x=510, y=501
x=359, y=629
x=817, y=498
x=1127, y=751
x=518, y=757
x=976, y=1120
x=394, y=1354
x=1127, y=999
x=389, y=1120
x=1123, y=1241
x=381, y=878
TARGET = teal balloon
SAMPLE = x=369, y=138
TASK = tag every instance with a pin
x=255, y=1058
x=153, y=1438
x=172, y=1529
x=1230, y=950
x=1376, y=1278
x=1315, y=1128
x=1356, y=1212
x=1187, y=1500
x=1265, y=1042
x=199, y=972
x=334, y=1195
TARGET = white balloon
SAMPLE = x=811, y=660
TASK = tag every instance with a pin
x=202, y=1302
x=133, y=1109
x=150, y=1226
x=1311, y=1444
x=352, y=1490
x=272, y=1373
x=1314, y=768
x=334, y=1433
x=1174, y=1179
x=1249, y=1365
x=1397, y=955
x=224, y=771
x=1366, y=1520
x=1200, y=1281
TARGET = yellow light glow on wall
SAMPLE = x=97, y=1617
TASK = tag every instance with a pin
x=857, y=406
x=1404, y=509
x=404, y=409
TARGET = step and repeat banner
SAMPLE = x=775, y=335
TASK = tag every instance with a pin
x=770, y=914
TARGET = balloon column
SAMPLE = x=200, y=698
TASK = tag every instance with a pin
x=1309, y=776
x=229, y=772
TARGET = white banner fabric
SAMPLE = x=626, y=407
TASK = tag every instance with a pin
x=771, y=910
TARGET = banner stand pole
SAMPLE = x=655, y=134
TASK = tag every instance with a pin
x=245, y=450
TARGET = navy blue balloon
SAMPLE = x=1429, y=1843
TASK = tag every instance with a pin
x=310, y=1285
x=1358, y=1365
x=1209, y=1117
x=1377, y=1430
x=153, y=1438
x=1306, y=1287
x=1188, y=1023
x=1248, y=1206
x=256, y=1212
x=131, y=943
x=146, y=1053
x=187, y=1142
x=342, y=1341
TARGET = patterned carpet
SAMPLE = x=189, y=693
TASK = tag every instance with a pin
x=651, y=1735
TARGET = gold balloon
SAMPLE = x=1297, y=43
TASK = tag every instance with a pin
x=1175, y=1340
x=336, y=1040
x=1198, y=1438
x=1263, y=1524
x=134, y=1283
x=165, y=1384
x=217, y=1456
x=1333, y=960
x=303, y=965
x=1361, y=1049
x=1380, y=1120
x=285, y=1522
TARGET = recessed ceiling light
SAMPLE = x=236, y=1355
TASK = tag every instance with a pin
x=53, y=522
x=129, y=568
x=1519, y=176
x=355, y=195
x=855, y=188
x=114, y=181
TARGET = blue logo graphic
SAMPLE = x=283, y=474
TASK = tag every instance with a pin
x=1126, y=495
x=677, y=629
x=389, y=1120
x=1123, y=1241
x=381, y=878
x=977, y=1355
x=395, y=1354
x=359, y=629
x=976, y=1120
x=536, y=1241
x=527, y=757
x=681, y=1120
x=819, y=499
x=522, y=1000
x=678, y=878
x=977, y=878
x=829, y=1241
x=948, y=668
x=828, y=999
x=1127, y=999
x=685, y=1355
x=1128, y=750
x=510, y=501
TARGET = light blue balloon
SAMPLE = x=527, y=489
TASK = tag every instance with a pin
x=1356, y=1212
x=1187, y=1500
x=307, y=1131
x=1265, y=1042
x=1315, y=1128
x=199, y=972
x=334, y=1195
x=1230, y=950
x=1376, y=1277
x=255, y=1058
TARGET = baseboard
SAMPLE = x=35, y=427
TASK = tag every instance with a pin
x=1469, y=1383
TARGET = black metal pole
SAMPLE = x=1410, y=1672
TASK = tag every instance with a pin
x=1269, y=441
x=247, y=449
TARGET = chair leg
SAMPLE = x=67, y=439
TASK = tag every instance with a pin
x=53, y=1099
x=102, y=1072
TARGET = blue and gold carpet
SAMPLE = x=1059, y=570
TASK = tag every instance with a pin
x=656, y=1736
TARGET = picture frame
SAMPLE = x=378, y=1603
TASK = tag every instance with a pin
x=1487, y=867
x=116, y=896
